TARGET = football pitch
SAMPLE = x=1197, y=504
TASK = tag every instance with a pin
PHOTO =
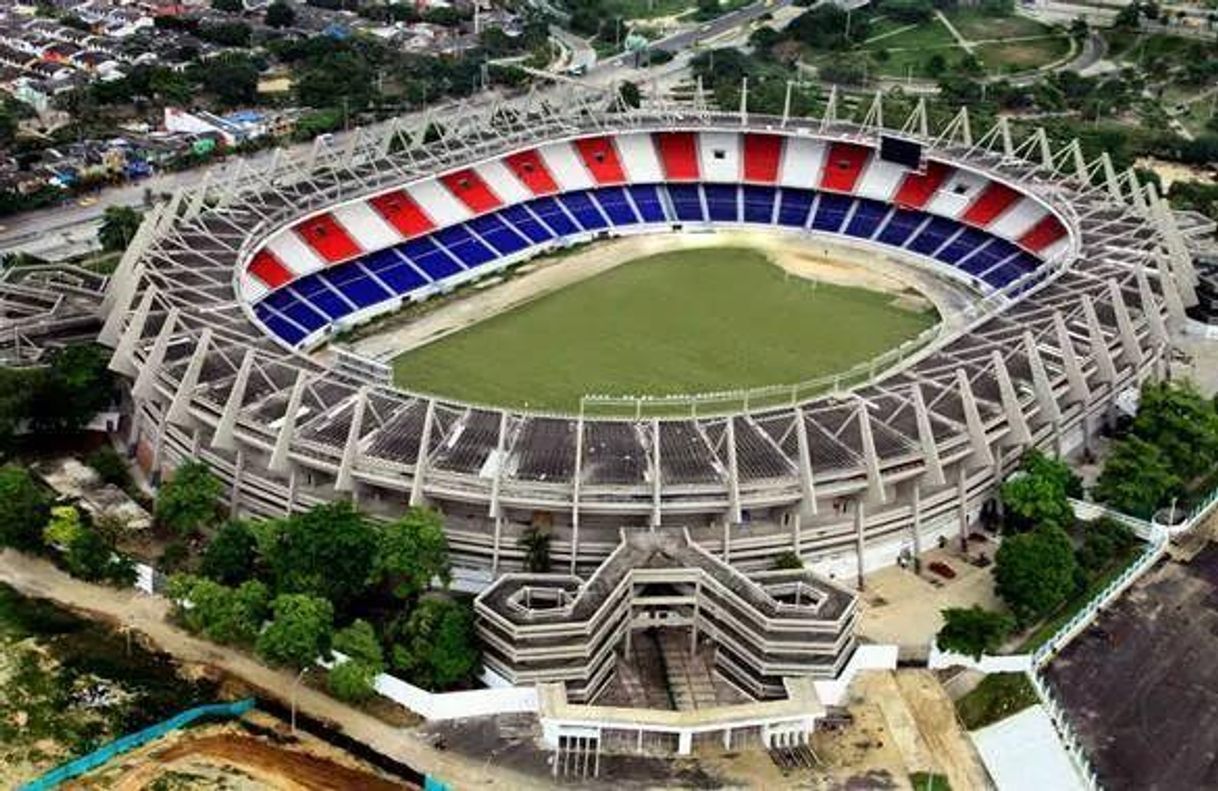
x=692, y=321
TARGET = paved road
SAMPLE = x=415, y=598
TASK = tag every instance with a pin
x=36, y=578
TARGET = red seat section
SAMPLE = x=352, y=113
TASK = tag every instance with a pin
x=679, y=155
x=328, y=238
x=1042, y=234
x=471, y=190
x=266, y=267
x=532, y=171
x=993, y=201
x=843, y=166
x=762, y=156
x=401, y=211
x=601, y=159
x=917, y=188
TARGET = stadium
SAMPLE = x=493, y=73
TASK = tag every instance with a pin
x=223, y=311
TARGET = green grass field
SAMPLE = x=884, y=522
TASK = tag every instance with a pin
x=684, y=322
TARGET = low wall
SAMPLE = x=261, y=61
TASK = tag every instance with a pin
x=1016, y=663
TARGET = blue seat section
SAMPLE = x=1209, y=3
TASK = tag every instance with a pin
x=900, y=225
x=583, y=210
x=1002, y=275
x=722, y=202
x=615, y=205
x=686, y=202
x=319, y=295
x=758, y=203
x=293, y=307
x=1025, y=262
x=355, y=284
x=868, y=215
x=989, y=256
x=430, y=258
x=462, y=244
x=492, y=230
x=523, y=221
x=549, y=212
x=933, y=235
x=969, y=240
x=285, y=330
x=647, y=200
x=831, y=212
x=394, y=271
x=794, y=206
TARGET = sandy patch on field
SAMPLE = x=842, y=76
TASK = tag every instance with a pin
x=802, y=256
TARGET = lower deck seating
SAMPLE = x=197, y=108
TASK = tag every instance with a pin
x=308, y=306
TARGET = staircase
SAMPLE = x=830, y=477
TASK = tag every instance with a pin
x=690, y=682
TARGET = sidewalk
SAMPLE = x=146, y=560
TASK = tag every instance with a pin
x=37, y=578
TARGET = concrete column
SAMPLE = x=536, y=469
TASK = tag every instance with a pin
x=926, y=437
x=1017, y=426
x=223, y=437
x=916, y=507
x=1150, y=308
x=807, y=482
x=1045, y=398
x=797, y=534
x=495, y=549
x=733, y=473
x=575, y=486
x=972, y=418
x=1074, y=370
x=279, y=461
x=962, y=505
x=1099, y=342
x=122, y=361
x=1130, y=349
x=860, y=539
x=727, y=541
x=179, y=407
x=422, y=459
x=146, y=380
x=684, y=743
x=500, y=446
x=871, y=460
x=290, y=507
x=234, y=500
x=655, y=474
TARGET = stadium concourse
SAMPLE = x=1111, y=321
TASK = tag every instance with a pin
x=1077, y=271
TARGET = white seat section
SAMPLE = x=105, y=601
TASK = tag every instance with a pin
x=252, y=288
x=503, y=182
x=566, y=166
x=366, y=226
x=1018, y=219
x=1057, y=248
x=719, y=153
x=293, y=253
x=802, y=162
x=438, y=203
x=637, y=153
x=956, y=193
x=881, y=179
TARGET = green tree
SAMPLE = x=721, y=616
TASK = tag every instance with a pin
x=411, y=552
x=279, y=15
x=1038, y=493
x=974, y=631
x=1182, y=424
x=74, y=388
x=1136, y=479
x=25, y=508
x=1035, y=572
x=352, y=682
x=629, y=94
x=328, y=551
x=536, y=545
x=436, y=646
x=110, y=466
x=91, y=557
x=359, y=643
x=1103, y=541
x=300, y=631
x=229, y=6
x=119, y=224
x=187, y=502
x=231, y=78
x=230, y=555
x=63, y=528
x=787, y=561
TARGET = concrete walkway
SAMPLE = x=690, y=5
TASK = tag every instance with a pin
x=39, y=579
x=964, y=43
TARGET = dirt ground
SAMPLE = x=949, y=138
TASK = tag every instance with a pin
x=814, y=259
x=228, y=756
x=905, y=608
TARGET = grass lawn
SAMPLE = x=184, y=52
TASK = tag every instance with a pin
x=998, y=696
x=684, y=322
x=646, y=9
x=976, y=25
x=1020, y=56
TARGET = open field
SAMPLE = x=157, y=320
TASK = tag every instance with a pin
x=681, y=322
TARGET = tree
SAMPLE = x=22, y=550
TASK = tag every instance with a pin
x=1182, y=424
x=229, y=556
x=119, y=224
x=187, y=502
x=973, y=631
x=1038, y=494
x=74, y=388
x=411, y=552
x=231, y=78
x=24, y=509
x=1104, y=540
x=436, y=647
x=1035, y=572
x=536, y=545
x=353, y=679
x=629, y=94
x=229, y=6
x=109, y=466
x=63, y=528
x=223, y=614
x=91, y=557
x=1136, y=478
x=328, y=551
x=300, y=631
x=787, y=561
x=279, y=15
